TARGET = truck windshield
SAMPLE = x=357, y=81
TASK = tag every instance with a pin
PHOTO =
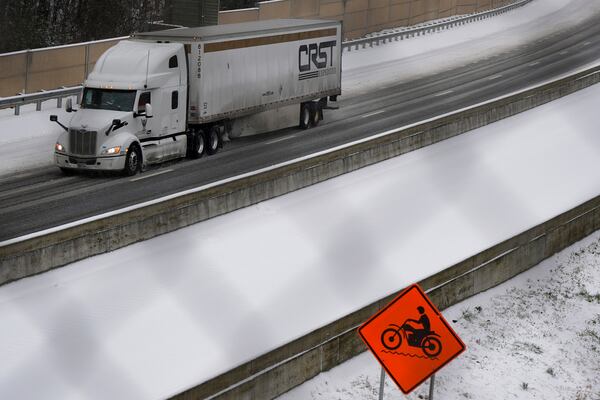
x=108, y=99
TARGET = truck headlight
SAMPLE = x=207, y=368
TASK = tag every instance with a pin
x=112, y=150
x=59, y=147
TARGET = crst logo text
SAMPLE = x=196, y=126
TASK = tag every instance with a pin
x=319, y=54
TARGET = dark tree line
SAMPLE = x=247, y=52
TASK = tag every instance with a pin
x=29, y=24
x=40, y=23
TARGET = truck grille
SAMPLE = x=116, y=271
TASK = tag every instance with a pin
x=82, y=142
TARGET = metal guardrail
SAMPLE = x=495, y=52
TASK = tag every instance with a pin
x=18, y=101
x=398, y=34
x=401, y=34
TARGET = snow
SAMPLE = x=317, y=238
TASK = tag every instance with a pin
x=157, y=317
x=410, y=59
x=536, y=336
x=27, y=140
x=363, y=70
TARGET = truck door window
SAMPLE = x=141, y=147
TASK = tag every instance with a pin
x=174, y=100
x=144, y=99
x=173, y=62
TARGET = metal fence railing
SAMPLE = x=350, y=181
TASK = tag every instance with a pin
x=59, y=94
x=401, y=34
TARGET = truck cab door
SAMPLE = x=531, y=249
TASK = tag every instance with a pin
x=147, y=131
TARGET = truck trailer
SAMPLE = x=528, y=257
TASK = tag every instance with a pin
x=182, y=92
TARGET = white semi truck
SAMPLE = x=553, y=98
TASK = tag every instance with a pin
x=181, y=92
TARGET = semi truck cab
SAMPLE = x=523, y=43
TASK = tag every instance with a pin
x=133, y=110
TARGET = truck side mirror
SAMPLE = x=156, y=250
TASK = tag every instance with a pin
x=149, y=110
x=116, y=124
x=54, y=118
x=69, y=105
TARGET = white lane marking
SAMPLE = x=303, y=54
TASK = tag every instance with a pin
x=139, y=178
x=280, y=139
x=533, y=64
x=491, y=78
x=49, y=182
x=587, y=43
x=444, y=93
x=562, y=53
x=372, y=113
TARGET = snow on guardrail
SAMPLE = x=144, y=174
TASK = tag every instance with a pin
x=39, y=98
x=401, y=34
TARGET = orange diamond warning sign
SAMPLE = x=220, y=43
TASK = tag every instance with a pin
x=411, y=339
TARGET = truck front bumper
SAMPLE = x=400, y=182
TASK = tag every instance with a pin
x=110, y=163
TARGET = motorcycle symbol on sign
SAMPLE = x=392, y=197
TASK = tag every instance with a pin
x=424, y=338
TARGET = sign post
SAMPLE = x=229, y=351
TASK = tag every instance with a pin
x=381, y=383
x=411, y=340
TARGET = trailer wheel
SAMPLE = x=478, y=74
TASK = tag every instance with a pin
x=213, y=140
x=196, y=144
x=305, y=115
x=315, y=113
x=133, y=160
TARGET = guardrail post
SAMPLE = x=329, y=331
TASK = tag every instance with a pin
x=38, y=105
x=17, y=109
x=59, y=102
x=27, y=68
x=87, y=62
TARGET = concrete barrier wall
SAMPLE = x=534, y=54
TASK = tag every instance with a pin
x=54, y=68
x=42, y=253
x=12, y=73
x=49, y=68
x=288, y=366
x=362, y=16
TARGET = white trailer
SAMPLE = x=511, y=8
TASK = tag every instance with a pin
x=182, y=92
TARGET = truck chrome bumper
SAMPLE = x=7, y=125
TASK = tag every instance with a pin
x=92, y=163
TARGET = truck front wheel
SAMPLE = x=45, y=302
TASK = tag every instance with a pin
x=133, y=160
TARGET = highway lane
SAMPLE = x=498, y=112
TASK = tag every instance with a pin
x=43, y=198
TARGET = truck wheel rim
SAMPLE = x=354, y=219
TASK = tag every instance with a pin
x=200, y=145
x=214, y=141
x=133, y=161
